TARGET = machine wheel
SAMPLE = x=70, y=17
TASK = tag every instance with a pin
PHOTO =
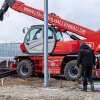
x=71, y=71
x=25, y=68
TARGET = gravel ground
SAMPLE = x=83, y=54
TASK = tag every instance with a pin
x=33, y=89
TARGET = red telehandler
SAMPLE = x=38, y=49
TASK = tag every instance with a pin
x=62, y=54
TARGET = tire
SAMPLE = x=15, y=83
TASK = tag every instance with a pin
x=25, y=69
x=71, y=71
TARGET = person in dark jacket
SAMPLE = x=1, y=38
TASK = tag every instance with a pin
x=86, y=58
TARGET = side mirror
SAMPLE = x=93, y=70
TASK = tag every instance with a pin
x=25, y=29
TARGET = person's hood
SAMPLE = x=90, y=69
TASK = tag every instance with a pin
x=84, y=46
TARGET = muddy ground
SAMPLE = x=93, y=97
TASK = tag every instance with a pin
x=15, y=88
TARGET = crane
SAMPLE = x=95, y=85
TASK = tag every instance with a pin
x=62, y=54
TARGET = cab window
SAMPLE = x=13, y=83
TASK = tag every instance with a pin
x=59, y=36
x=34, y=34
x=38, y=34
x=50, y=34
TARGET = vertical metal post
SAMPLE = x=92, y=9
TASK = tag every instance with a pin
x=46, y=79
x=7, y=60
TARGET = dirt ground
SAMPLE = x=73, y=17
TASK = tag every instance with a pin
x=15, y=88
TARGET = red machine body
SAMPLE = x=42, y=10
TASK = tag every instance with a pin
x=63, y=58
x=92, y=37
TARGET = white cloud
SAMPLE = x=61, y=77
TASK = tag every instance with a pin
x=82, y=12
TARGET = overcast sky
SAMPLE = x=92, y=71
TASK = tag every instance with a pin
x=82, y=12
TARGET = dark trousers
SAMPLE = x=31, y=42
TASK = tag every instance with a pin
x=87, y=75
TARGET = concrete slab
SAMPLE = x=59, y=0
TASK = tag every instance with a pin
x=96, y=86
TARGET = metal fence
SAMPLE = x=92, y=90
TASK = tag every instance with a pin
x=8, y=51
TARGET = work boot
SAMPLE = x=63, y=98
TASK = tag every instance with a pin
x=85, y=88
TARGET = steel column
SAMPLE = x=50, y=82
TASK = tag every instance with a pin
x=46, y=78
